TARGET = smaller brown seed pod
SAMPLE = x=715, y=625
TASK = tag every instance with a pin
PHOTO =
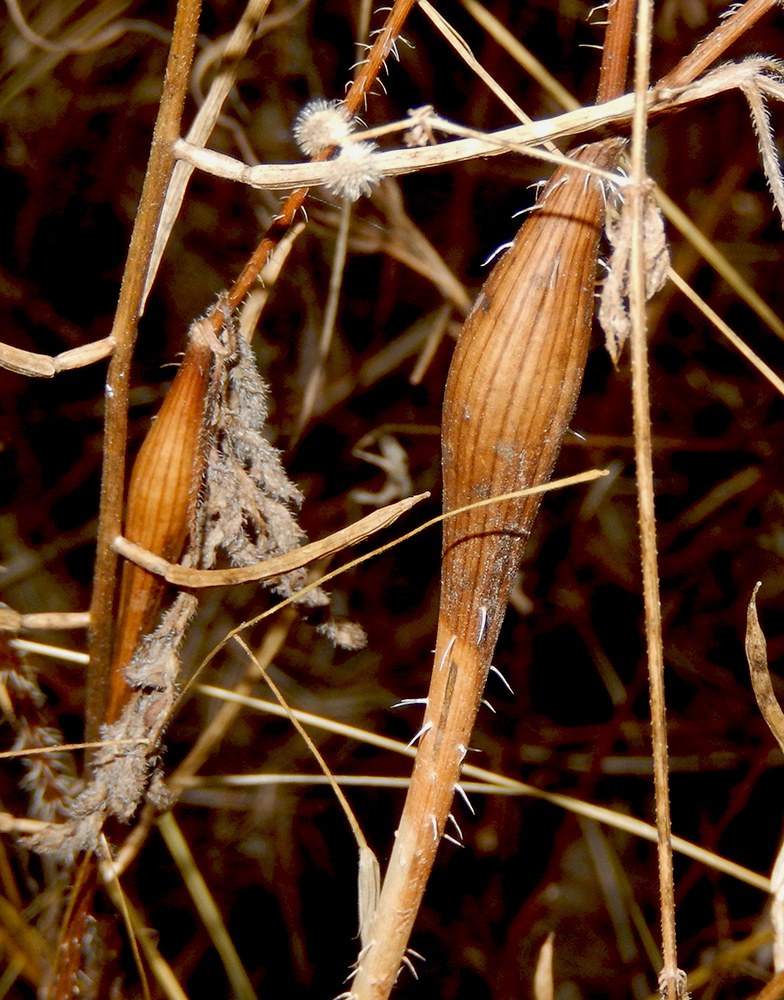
x=510, y=395
x=164, y=482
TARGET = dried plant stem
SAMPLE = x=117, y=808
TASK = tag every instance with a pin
x=615, y=52
x=673, y=212
x=510, y=393
x=203, y=125
x=486, y=782
x=369, y=872
x=159, y=170
x=503, y=424
x=355, y=98
x=396, y=162
x=164, y=974
x=121, y=902
x=206, y=907
x=772, y=990
x=465, y=53
x=328, y=323
x=13, y=621
x=719, y=262
x=737, y=342
x=672, y=981
x=160, y=166
x=719, y=40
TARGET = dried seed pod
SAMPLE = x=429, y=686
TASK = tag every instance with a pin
x=164, y=483
x=511, y=392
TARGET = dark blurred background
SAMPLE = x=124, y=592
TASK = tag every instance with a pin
x=280, y=861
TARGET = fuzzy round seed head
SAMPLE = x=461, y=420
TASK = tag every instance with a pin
x=320, y=125
x=353, y=170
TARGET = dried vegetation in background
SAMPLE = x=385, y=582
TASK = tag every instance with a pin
x=278, y=858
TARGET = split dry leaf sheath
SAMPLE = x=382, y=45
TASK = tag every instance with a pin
x=510, y=395
x=164, y=481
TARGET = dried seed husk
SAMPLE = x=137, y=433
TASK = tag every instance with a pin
x=164, y=483
x=510, y=394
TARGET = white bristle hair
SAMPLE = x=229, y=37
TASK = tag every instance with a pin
x=322, y=124
x=353, y=171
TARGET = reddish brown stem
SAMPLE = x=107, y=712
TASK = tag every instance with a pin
x=356, y=96
x=716, y=44
x=510, y=394
x=615, y=52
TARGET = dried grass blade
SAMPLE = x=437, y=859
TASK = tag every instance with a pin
x=206, y=907
x=201, y=129
x=498, y=784
x=183, y=576
x=757, y=656
x=761, y=682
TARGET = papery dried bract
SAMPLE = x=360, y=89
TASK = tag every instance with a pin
x=614, y=303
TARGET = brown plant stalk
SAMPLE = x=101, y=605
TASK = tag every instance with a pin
x=159, y=170
x=510, y=395
x=672, y=981
x=355, y=99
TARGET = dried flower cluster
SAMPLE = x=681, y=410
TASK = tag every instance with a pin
x=245, y=506
x=125, y=768
x=49, y=778
x=614, y=300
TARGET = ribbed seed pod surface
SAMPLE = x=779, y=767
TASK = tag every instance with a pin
x=160, y=497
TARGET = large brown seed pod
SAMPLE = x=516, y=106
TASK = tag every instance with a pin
x=165, y=477
x=510, y=395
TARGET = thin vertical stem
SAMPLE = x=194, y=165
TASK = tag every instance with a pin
x=316, y=376
x=159, y=170
x=670, y=980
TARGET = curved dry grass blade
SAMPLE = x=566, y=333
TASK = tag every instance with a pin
x=756, y=654
x=183, y=576
x=369, y=871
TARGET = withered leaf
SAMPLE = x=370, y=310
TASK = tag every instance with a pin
x=614, y=302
